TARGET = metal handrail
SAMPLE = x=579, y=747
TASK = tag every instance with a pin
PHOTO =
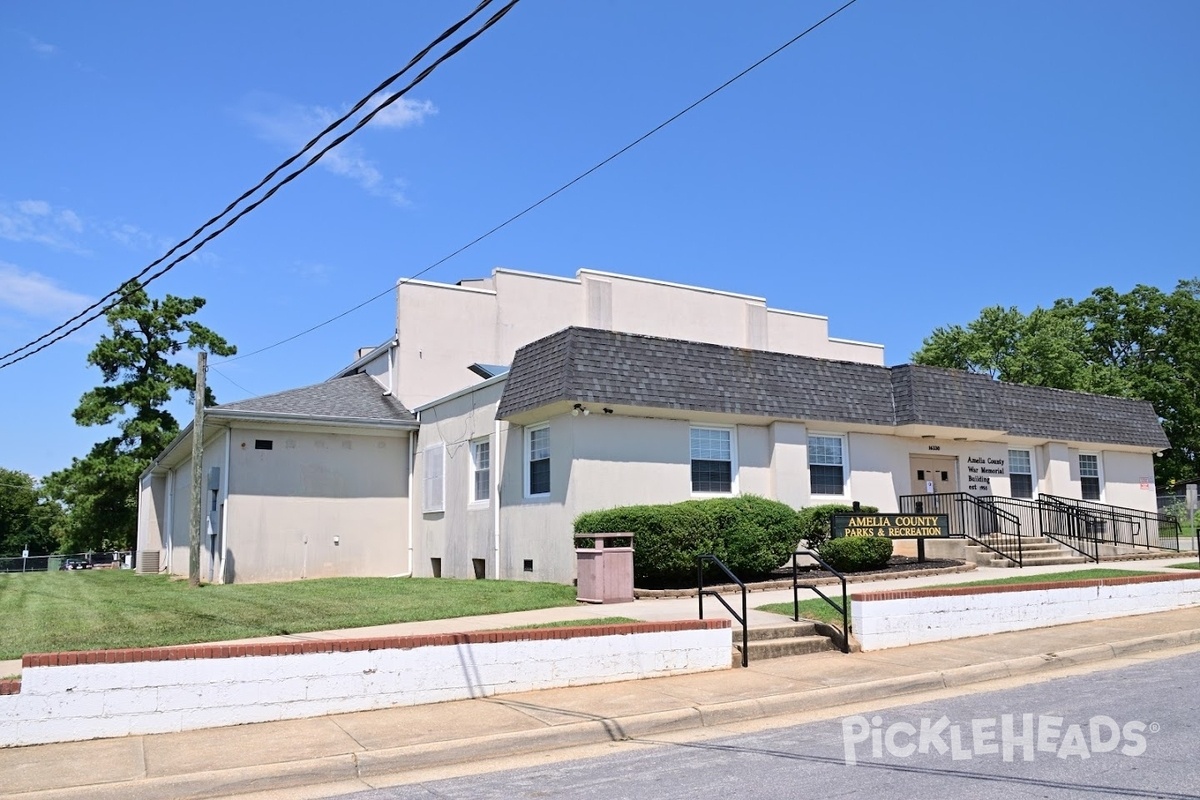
x=955, y=505
x=1048, y=504
x=702, y=591
x=843, y=609
x=1138, y=521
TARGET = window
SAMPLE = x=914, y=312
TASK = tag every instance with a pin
x=827, y=464
x=1020, y=473
x=481, y=471
x=1089, y=476
x=712, y=460
x=537, y=461
x=434, y=497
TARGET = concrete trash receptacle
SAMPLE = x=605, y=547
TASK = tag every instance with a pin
x=605, y=572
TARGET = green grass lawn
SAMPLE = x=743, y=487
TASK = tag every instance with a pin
x=1077, y=575
x=1187, y=565
x=575, y=623
x=816, y=608
x=100, y=609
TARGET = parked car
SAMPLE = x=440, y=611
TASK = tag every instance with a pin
x=75, y=563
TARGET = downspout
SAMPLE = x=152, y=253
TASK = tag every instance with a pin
x=169, y=544
x=497, y=466
x=412, y=458
x=225, y=503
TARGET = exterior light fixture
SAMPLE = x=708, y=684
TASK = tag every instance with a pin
x=608, y=411
x=578, y=407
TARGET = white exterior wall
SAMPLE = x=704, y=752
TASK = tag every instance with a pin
x=464, y=530
x=318, y=504
x=380, y=368
x=151, y=519
x=442, y=328
x=601, y=461
x=788, y=442
x=1128, y=480
x=179, y=534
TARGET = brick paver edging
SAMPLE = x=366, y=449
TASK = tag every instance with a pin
x=197, y=651
x=10, y=686
x=957, y=591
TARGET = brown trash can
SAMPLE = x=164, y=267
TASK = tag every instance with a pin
x=604, y=572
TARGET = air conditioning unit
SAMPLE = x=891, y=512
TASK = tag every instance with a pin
x=147, y=562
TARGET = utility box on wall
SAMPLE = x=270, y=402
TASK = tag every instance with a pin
x=605, y=572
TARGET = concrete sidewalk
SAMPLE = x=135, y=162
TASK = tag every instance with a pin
x=356, y=747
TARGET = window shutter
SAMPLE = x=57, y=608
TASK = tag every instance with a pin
x=434, y=495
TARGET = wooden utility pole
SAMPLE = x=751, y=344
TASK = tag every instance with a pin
x=197, y=472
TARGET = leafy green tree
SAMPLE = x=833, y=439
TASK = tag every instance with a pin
x=137, y=359
x=27, y=518
x=1144, y=343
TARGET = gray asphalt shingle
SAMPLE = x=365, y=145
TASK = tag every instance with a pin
x=356, y=396
x=586, y=365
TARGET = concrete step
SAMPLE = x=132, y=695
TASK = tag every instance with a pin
x=779, y=641
x=1035, y=550
x=766, y=633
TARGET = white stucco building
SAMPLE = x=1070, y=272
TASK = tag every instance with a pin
x=429, y=455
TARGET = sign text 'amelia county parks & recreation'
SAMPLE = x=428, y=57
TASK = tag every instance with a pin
x=892, y=526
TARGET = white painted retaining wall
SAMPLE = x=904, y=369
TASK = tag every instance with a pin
x=899, y=618
x=163, y=690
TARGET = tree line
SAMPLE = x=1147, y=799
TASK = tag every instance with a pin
x=1142, y=344
x=92, y=503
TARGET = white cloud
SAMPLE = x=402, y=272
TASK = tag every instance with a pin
x=36, y=221
x=36, y=295
x=134, y=238
x=69, y=219
x=34, y=208
x=400, y=114
x=40, y=47
x=292, y=125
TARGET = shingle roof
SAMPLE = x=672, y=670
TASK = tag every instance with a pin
x=588, y=365
x=353, y=397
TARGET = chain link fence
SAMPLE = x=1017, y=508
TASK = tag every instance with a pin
x=108, y=559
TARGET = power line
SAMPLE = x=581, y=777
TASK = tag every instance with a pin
x=560, y=189
x=249, y=393
x=91, y=313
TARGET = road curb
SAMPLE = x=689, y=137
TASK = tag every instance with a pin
x=366, y=764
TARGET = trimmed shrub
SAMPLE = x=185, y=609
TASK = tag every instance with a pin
x=816, y=521
x=857, y=553
x=752, y=535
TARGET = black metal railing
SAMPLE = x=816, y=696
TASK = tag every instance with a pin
x=1118, y=525
x=975, y=518
x=1066, y=525
x=843, y=609
x=712, y=559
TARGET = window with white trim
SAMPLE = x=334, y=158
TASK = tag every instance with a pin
x=712, y=460
x=481, y=470
x=1020, y=474
x=537, y=461
x=1089, y=476
x=433, y=498
x=827, y=464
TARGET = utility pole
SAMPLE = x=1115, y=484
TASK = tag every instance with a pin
x=197, y=471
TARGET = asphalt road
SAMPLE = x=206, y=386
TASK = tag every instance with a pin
x=1130, y=732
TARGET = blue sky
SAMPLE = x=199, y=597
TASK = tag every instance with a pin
x=899, y=169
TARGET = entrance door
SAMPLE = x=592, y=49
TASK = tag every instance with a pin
x=933, y=474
